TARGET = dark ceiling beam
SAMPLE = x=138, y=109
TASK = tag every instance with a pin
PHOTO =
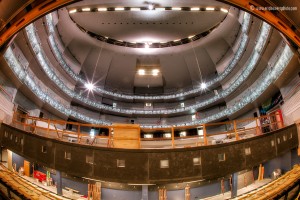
x=25, y=16
x=38, y=8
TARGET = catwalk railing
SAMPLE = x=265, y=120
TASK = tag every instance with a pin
x=174, y=137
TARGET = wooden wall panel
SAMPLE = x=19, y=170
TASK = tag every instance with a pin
x=126, y=136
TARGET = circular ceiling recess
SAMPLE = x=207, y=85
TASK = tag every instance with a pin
x=144, y=27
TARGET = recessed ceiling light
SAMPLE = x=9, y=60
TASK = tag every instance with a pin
x=155, y=72
x=135, y=9
x=86, y=9
x=141, y=72
x=150, y=6
x=176, y=8
x=73, y=11
x=224, y=10
x=203, y=85
x=209, y=8
x=160, y=9
x=119, y=9
x=102, y=9
x=89, y=86
x=195, y=9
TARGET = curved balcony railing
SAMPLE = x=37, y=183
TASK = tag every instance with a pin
x=269, y=75
x=46, y=66
x=241, y=48
x=172, y=137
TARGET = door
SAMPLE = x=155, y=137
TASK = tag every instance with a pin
x=26, y=168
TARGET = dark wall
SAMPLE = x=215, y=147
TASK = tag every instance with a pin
x=143, y=165
x=18, y=160
x=80, y=186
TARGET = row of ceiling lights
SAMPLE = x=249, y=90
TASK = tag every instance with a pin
x=153, y=72
x=150, y=7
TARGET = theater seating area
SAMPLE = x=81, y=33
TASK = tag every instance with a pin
x=277, y=188
x=20, y=188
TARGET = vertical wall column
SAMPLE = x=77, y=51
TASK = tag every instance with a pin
x=9, y=160
x=234, y=186
x=162, y=194
x=145, y=192
x=59, y=183
x=187, y=192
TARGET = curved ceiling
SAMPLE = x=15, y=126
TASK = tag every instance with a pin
x=148, y=25
x=102, y=63
x=123, y=64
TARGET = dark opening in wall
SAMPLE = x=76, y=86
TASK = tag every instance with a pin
x=67, y=155
x=120, y=163
x=44, y=149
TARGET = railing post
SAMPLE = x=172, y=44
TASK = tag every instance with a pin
x=139, y=137
x=25, y=121
x=204, y=135
x=235, y=131
x=48, y=127
x=78, y=132
x=109, y=136
x=257, y=127
x=173, y=142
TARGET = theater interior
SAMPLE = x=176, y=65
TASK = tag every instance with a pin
x=147, y=100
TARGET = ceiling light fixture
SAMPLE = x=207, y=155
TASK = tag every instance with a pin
x=119, y=9
x=176, y=8
x=147, y=46
x=209, y=8
x=135, y=9
x=150, y=6
x=155, y=72
x=86, y=9
x=224, y=10
x=195, y=9
x=191, y=36
x=102, y=9
x=160, y=9
x=176, y=40
x=73, y=11
x=203, y=85
x=89, y=86
x=141, y=72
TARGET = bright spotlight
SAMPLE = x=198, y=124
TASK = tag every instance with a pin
x=203, y=86
x=89, y=86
